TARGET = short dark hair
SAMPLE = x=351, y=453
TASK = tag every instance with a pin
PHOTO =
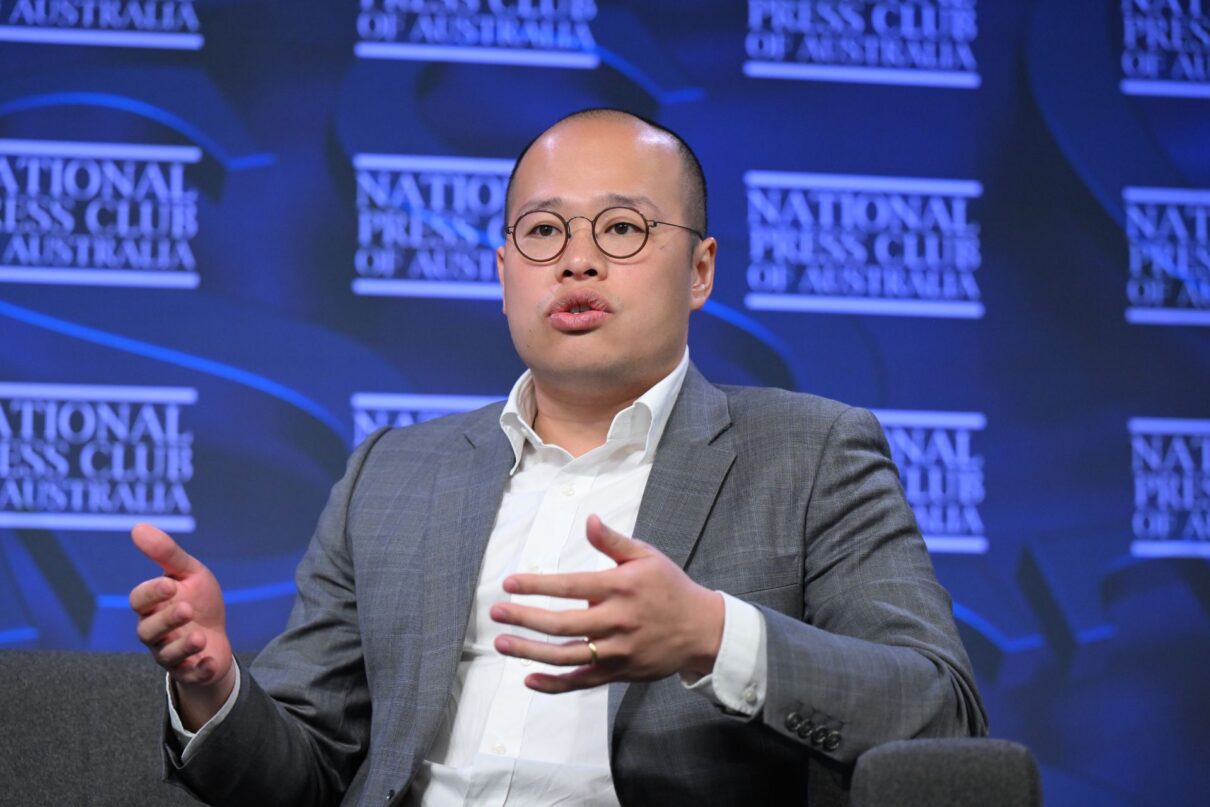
x=691, y=167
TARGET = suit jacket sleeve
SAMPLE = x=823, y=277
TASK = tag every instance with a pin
x=876, y=656
x=303, y=744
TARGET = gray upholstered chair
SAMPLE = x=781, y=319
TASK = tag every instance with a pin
x=947, y=773
x=83, y=729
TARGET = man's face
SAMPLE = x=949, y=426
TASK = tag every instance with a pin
x=586, y=321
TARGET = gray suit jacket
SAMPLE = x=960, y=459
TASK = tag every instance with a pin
x=786, y=500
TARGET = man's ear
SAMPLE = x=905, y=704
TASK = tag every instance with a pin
x=701, y=276
x=500, y=277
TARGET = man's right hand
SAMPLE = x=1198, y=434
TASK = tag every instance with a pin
x=182, y=620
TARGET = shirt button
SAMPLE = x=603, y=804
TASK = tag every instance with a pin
x=569, y=491
x=534, y=568
x=750, y=696
x=525, y=662
x=499, y=748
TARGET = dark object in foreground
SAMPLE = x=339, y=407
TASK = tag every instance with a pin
x=85, y=728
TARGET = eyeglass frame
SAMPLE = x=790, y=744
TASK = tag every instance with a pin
x=651, y=224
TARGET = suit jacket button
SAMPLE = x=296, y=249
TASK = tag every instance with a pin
x=832, y=742
x=793, y=721
x=819, y=735
x=805, y=729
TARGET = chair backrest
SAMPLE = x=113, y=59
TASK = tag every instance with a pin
x=943, y=772
x=82, y=728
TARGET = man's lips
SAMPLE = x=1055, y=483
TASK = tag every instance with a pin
x=578, y=311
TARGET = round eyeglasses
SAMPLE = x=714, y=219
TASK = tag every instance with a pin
x=619, y=232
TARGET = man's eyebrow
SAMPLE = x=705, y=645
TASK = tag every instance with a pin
x=555, y=202
x=549, y=203
x=631, y=201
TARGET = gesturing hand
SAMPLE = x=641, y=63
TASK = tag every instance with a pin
x=182, y=621
x=646, y=619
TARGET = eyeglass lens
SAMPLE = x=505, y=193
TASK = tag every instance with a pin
x=620, y=232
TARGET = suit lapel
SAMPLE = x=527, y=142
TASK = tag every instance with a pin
x=466, y=497
x=685, y=479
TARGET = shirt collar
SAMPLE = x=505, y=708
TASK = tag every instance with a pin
x=641, y=423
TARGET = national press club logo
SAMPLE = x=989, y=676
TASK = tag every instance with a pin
x=88, y=457
x=1166, y=48
x=924, y=42
x=1170, y=458
x=862, y=245
x=155, y=24
x=428, y=226
x=540, y=33
x=1168, y=230
x=942, y=474
x=373, y=410
x=97, y=214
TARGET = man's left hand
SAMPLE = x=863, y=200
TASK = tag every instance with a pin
x=646, y=619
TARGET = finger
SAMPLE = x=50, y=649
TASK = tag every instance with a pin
x=180, y=649
x=613, y=543
x=147, y=596
x=195, y=669
x=592, y=586
x=156, y=629
x=564, y=654
x=198, y=670
x=576, y=622
x=159, y=547
x=577, y=679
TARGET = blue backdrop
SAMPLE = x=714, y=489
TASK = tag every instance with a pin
x=237, y=236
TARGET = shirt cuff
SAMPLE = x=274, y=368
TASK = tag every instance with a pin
x=189, y=740
x=737, y=682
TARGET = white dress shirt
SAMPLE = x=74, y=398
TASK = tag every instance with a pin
x=501, y=743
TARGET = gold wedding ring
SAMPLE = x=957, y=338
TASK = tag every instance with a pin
x=592, y=648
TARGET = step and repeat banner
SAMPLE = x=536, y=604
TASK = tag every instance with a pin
x=237, y=236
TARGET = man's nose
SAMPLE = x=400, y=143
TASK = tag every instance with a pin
x=582, y=257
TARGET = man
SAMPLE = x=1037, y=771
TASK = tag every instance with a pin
x=473, y=624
